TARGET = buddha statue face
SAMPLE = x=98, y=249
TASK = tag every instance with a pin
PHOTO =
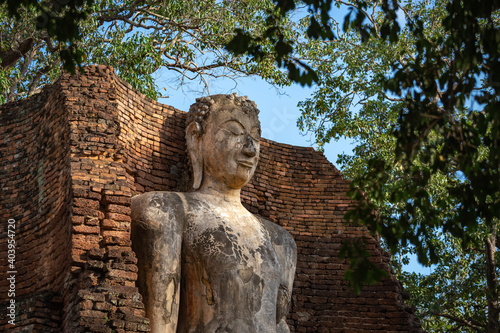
x=224, y=142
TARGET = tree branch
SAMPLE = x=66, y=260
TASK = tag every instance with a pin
x=34, y=88
x=469, y=323
x=11, y=95
x=492, y=281
x=10, y=57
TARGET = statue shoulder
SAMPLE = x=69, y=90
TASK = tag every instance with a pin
x=152, y=209
x=278, y=234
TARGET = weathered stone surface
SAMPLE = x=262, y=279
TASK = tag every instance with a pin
x=206, y=264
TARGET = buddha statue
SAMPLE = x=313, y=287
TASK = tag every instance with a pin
x=206, y=264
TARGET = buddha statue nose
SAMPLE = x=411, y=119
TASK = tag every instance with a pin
x=249, y=148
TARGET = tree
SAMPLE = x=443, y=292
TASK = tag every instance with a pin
x=423, y=110
x=454, y=297
x=57, y=20
x=137, y=38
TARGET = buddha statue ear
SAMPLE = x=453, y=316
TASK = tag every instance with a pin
x=194, y=147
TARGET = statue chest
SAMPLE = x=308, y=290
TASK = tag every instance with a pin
x=230, y=271
x=229, y=238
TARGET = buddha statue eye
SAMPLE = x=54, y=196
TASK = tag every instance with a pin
x=255, y=133
x=234, y=128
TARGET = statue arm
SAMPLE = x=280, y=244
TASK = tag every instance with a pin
x=287, y=254
x=157, y=220
x=286, y=249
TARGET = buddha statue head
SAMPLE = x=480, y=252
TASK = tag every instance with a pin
x=223, y=141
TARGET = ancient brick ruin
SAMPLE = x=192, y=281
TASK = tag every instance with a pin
x=74, y=155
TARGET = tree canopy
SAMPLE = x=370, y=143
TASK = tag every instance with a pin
x=137, y=38
x=423, y=111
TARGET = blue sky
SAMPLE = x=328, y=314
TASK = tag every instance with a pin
x=278, y=109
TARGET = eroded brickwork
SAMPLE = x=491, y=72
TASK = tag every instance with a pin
x=75, y=155
x=35, y=190
x=103, y=296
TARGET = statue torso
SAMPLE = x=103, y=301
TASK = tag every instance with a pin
x=230, y=270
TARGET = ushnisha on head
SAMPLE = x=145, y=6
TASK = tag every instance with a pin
x=199, y=111
x=223, y=141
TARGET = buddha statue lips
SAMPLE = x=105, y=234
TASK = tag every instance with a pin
x=246, y=164
x=206, y=264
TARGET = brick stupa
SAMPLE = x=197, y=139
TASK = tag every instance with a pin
x=72, y=157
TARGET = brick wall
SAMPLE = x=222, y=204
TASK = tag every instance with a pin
x=299, y=189
x=91, y=142
x=36, y=193
x=102, y=295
